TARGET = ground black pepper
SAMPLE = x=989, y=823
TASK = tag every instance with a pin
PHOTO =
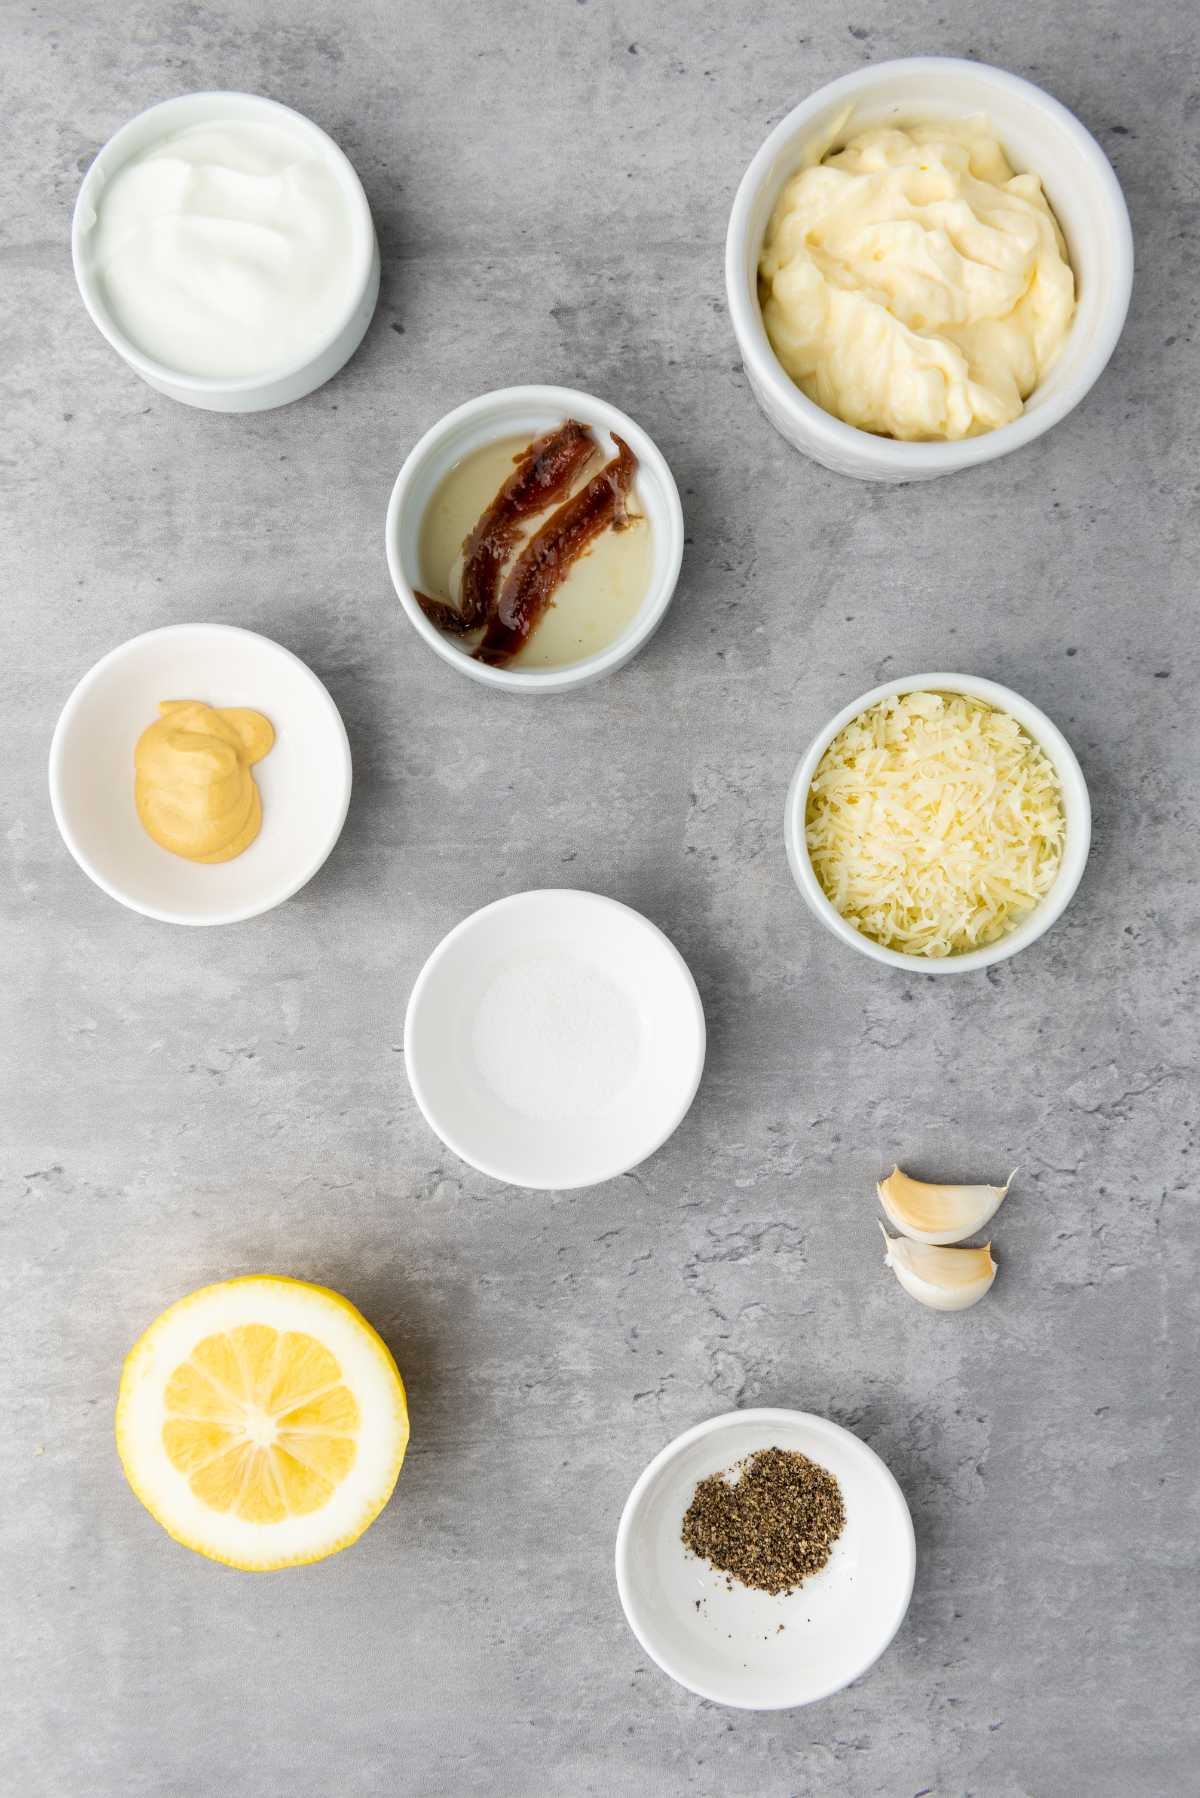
x=772, y=1526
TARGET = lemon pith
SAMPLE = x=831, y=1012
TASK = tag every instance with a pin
x=262, y=1422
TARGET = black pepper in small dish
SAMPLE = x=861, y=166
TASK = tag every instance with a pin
x=772, y=1526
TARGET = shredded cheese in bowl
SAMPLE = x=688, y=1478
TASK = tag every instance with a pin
x=934, y=823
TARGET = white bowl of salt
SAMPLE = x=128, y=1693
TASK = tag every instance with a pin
x=554, y=1039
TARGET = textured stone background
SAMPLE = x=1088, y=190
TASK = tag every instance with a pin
x=551, y=183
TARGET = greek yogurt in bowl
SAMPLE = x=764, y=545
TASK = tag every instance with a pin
x=224, y=246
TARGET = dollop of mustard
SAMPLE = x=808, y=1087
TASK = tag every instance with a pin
x=193, y=788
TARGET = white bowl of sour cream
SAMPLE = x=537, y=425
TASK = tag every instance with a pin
x=223, y=245
x=1038, y=136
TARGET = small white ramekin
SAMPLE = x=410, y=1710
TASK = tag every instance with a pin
x=745, y=1648
x=304, y=780
x=527, y=411
x=248, y=393
x=577, y=935
x=1040, y=135
x=1076, y=807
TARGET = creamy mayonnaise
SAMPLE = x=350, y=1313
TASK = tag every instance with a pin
x=227, y=249
x=913, y=285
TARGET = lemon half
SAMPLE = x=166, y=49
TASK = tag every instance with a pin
x=262, y=1422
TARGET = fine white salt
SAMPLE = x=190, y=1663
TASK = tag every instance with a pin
x=555, y=1038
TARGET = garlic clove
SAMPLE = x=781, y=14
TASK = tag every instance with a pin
x=938, y=1214
x=942, y=1278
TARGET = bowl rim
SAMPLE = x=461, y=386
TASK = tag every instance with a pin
x=445, y=946
x=769, y=1416
x=903, y=460
x=161, y=915
x=149, y=367
x=1077, y=812
x=606, y=417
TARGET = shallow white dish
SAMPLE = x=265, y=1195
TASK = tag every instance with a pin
x=304, y=781
x=1076, y=807
x=517, y=968
x=726, y=1644
x=528, y=411
x=250, y=393
x=1038, y=134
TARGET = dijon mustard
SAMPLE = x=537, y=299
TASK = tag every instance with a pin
x=193, y=788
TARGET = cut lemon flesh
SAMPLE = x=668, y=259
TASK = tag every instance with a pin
x=262, y=1422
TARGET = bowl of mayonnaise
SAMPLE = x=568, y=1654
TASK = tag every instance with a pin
x=928, y=264
x=223, y=245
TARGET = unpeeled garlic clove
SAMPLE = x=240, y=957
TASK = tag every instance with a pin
x=944, y=1279
x=938, y=1214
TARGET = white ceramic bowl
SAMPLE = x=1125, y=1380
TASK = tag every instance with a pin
x=727, y=1644
x=527, y=411
x=1076, y=806
x=1038, y=134
x=504, y=1001
x=249, y=393
x=304, y=780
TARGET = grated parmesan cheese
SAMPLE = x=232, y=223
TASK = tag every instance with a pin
x=934, y=823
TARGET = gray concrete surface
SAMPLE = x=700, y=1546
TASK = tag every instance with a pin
x=551, y=183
